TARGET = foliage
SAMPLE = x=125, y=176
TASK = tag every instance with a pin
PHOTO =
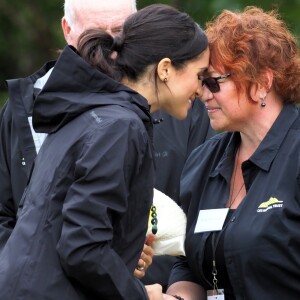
x=30, y=30
x=30, y=34
x=3, y=97
x=203, y=11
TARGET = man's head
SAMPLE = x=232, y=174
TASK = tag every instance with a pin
x=80, y=15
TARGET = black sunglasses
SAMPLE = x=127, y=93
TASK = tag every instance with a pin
x=212, y=83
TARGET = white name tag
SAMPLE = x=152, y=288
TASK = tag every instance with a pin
x=211, y=219
x=215, y=295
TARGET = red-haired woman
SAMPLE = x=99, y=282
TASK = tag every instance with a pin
x=241, y=189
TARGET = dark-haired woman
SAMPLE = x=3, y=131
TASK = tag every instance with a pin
x=83, y=218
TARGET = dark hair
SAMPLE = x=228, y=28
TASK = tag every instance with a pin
x=149, y=35
x=249, y=42
x=95, y=46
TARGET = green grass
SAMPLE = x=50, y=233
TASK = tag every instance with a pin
x=3, y=98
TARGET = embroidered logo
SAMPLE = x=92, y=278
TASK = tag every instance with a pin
x=94, y=115
x=271, y=203
x=161, y=154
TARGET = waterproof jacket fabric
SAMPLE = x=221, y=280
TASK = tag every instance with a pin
x=17, y=148
x=83, y=217
x=262, y=237
x=174, y=140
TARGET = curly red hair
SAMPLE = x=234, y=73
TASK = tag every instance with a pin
x=250, y=42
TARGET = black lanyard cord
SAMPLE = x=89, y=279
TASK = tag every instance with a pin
x=214, y=244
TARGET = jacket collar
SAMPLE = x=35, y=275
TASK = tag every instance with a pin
x=75, y=86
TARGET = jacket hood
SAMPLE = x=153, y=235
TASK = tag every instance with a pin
x=74, y=87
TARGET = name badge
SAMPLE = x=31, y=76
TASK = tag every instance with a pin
x=211, y=219
x=215, y=295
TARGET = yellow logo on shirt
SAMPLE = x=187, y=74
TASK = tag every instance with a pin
x=271, y=203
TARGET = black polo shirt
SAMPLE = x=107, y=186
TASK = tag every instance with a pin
x=262, y=239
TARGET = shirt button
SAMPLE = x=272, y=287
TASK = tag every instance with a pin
x=232, y=219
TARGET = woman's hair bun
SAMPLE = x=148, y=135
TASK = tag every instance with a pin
x=118, y=43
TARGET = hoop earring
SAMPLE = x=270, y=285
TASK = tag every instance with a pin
x=263, y=102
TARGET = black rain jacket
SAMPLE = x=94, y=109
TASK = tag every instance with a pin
x=17, y=148
x=83, y=217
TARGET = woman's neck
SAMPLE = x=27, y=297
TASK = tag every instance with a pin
x=144, y=88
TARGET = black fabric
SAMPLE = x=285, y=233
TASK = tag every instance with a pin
x=83, y=217
x=173, y=142
x=159, y=271
x=53, y=110
x=261, y=241
x=222, y=274
x=17, y=149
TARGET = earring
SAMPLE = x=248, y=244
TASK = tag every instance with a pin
x=165, y=79
x=263, y=103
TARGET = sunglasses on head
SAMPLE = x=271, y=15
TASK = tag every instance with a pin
x=212, y=83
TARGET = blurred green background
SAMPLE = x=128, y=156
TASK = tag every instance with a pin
x=30, y=30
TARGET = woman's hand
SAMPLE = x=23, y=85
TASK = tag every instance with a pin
x=154, y=292
x=146, y=258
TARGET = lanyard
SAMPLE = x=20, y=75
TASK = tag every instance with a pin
x=214, y=244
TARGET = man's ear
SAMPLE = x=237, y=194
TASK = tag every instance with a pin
x=164, y=69
x=66, y=29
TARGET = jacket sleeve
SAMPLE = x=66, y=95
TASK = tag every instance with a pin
x=92, y=212
x=181, y=271
x=7, y=209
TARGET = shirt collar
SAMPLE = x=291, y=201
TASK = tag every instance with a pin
x=268, y=148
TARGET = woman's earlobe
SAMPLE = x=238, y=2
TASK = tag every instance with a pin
x=163, y=69
x=260, y=90
x=263, y=100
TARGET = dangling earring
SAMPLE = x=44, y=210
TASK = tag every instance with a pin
x=165, y=79
x=263, y=103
